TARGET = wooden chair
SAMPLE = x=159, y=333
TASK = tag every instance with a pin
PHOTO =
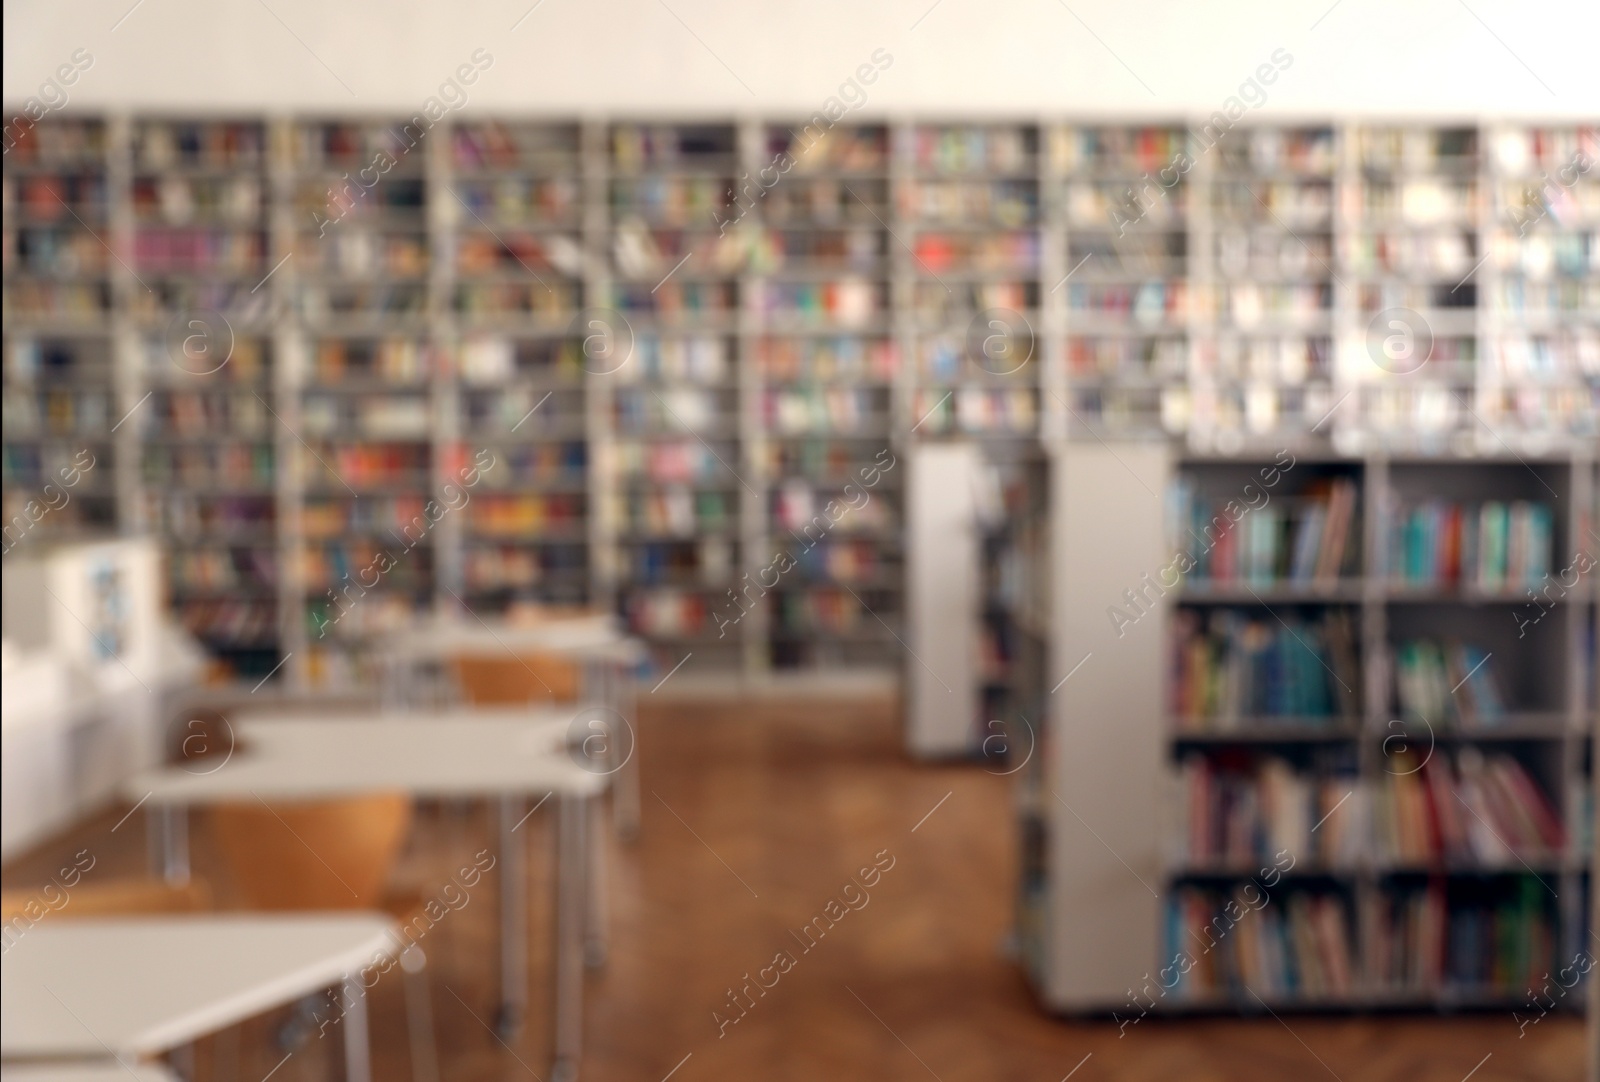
x=511, y=681
x=333, y=854
x=130, y=897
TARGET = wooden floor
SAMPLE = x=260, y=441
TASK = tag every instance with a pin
x=755, y=816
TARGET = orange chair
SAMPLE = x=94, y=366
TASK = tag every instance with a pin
x=512, y=681
x=332, y=854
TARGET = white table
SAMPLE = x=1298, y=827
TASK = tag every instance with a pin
x=594, y=641
x=504, y=756
x=141, y=986
x=88, y=1072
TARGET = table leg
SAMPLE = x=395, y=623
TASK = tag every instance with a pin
x=357, y=1053
x=625, y=788
x=513, y=920
x=571, y=815
x=167, y=830
x=594, y=887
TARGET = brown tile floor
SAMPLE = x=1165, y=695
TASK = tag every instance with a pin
x=754, y=817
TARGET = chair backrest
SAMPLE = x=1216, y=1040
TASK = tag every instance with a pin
x=128, y=897
x=326, y=854
x=503, y=681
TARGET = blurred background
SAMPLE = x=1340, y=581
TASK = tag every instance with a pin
x=679, y=539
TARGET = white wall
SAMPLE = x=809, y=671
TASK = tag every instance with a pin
x=1423, y=57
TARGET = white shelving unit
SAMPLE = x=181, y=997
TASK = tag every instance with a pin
x=411, y=316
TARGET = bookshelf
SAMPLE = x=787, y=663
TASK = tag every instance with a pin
x=1371, y=749
x=402, y=300
x=60, y=381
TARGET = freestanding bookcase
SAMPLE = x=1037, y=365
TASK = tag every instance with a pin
x=1127, y=864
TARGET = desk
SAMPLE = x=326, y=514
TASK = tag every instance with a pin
x=141, y=986
x=89, y=1072
x=606, y=654
x=501, y=756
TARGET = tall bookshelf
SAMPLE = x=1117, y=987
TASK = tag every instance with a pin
x=388, y=325
x=60, y=365
x=1367, y=739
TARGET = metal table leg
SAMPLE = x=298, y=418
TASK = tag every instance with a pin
x=625, y=789
x=167, y=831
x=357, y=1053
x=594, y=887
x=571, y=818
x=513, y=920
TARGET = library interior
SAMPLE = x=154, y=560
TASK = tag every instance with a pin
x=517, y=532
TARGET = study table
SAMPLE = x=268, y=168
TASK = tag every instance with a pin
x=503, y=756
x=120, y=989
x=607, y=655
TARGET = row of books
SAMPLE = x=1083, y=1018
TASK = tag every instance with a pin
x=1276, y=150
x=64, y=142
x=1422, y=201
x=1505, y=942
x=522, y=200
x=1238, y=812
x=676, y=298
x=62, y=253
x=1288, y=360
x=1446, y=683
x=524, y=413
x=1311, y=538
x=858, y=248
x=190, y=515
x=230, y=465
x=1111, y=205
x=331, y=205
x=1535, y=298
x=673, y=200
x=676, y=512
x=940, y=306
x=357, y=253
x=674, y=409
x=1283, y=203
x=551, y=301
x=672, y=613
x=1285, y=946
x=57, y=412
x=708, y=561
x=703, y=358
x=199, y=249
x=1485, y=809
x=402, y=518
x=1228, y=669
x=235, y=621
x=1245, y=253
x=1129, y=150
x=819, y=460
x=1009, y=204
x=1571, y=353
x=390, y=416
x=507, y=567
x=495, y=144
x=800, y=508
x=66, y=300
x=237, y=413
x=1546, y=255
x=1530, y=150
x=391, y=360
x=1539, y=206
x=675, y=460
x=215, y=569
x=359, y=564
x=824, y=201
x=543, y=464
x=843, y=150
x=1418, y=149
x=1149, y=303
x=1493, y=546
x=1444, y=253
x=847, y=301
x=527, y=516
x=640, y=146
x=816, y=410
x=486, y=360
x=973, y=150
x=826, y=610
x=981, y=252
x=369, y=464
x=181, y=200
x=842, y=358
x=976, y=410
x=337, y=144
x=29, y=359
x=216, y=145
